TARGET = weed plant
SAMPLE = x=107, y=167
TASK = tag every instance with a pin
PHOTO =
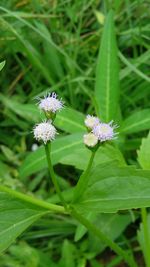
x=92, y=207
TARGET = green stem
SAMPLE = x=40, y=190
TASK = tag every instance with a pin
x=32, y=200
x=52, y=174
x=83, y=180
x=91, y=227
x=146, y=236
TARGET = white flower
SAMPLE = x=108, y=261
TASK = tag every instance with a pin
x=44, y=131
x=91, y=121
x=90, y=140
x=50, y=103
x=105, y=131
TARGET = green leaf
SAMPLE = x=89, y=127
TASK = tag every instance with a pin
x=81, y=229
x=9, y=154
x=16, y=216
x=28, y=112
x=144, y=153
x=20, y=253
x=141, y=237
x=136, y=122
x=70, y=150
x=2, y=64
x=4, y=172
x=138, y=61
x=51, y=56
x=68, y=119
x=133, y=67
x=17, y=212
x=36, y=161
x=106, y=153
x=111, y=189
x=111, y=225
x=107, y=73
x=34, y=29
x=51, y=227
x=68, y=254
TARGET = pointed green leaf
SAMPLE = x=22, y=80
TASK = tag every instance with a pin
x=36, y=161
x=17, y=212
x=111, y=189
x=111, y=225
x=136, y=122
x=2, y=64
x=69, y=150
x=68, y=120
x=144, y=153
x=107, y=73
x=105, y=154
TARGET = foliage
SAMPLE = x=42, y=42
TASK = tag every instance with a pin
x=57, y=49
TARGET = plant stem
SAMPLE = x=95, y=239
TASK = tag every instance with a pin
x=91, y=227
x=146, y=236
x=32, y=200
x=52, y=174
x=83, y=180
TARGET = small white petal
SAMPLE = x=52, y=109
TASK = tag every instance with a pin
x=44, y=131
x=104, y=131
x=90, y=140
x=51, y=103
x=91, y=121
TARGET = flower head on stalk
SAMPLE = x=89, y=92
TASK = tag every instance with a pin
x=90, y=140
x=91, y=121
x=105, y=131
x=50, y=104
x=44, y=131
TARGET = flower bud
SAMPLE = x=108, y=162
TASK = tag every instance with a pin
x=90, y=140
x=91, y=121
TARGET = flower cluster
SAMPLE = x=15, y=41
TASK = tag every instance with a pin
x=45, y=131
x=98, y=131
x=50, y=103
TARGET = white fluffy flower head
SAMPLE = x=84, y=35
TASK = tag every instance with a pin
x=105, y=131
x=90, y=140
x=50, y=103
x=44, y=131
x=91, y=121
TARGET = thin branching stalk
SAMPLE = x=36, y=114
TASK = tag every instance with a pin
x=33, y=200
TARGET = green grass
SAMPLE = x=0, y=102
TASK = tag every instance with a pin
x=53, y=46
